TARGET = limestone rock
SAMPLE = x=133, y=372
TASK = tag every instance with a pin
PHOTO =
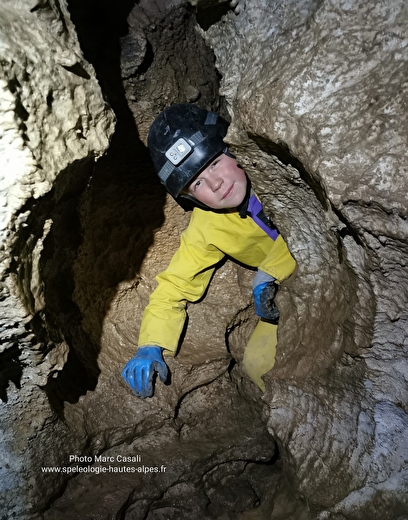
x=319, y=109
x=54, y=124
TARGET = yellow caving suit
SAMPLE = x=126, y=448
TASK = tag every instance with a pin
x=208, y=238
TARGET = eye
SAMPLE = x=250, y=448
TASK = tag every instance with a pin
x=214, y=164
x=197, y=184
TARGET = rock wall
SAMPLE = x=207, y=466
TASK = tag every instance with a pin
x=54, y=124
x=317, y=95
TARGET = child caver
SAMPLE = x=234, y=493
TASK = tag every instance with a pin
x=192, y=161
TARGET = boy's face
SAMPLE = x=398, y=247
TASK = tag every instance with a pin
x=221, y=185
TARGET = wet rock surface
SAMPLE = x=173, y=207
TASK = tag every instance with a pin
x=317, y=97
x=326, y=104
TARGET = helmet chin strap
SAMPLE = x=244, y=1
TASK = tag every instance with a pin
x=193, y=202
x=227, y=152
x=242, y=208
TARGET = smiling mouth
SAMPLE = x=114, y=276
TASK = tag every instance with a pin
x=227, y=192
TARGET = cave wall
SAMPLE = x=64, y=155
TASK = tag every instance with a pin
x=319, y=109
x=54, y=124
x=316, y=93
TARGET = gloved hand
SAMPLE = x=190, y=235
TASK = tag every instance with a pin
x=138, y=372
x=264, y=290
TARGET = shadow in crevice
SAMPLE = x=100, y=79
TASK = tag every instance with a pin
x=54, y=223
x=100, y=26
x=98, y=240
x=11, y=370
x=210, y=12
x=283, y=153
x=72, y=382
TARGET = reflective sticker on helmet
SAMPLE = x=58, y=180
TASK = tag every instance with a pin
x=196, y=138
x=166, y=171
x=178, y=151
x=211, y=118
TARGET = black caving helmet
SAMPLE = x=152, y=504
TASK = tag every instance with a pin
x=182, y=140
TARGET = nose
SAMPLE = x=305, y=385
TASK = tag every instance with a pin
x=214, y=181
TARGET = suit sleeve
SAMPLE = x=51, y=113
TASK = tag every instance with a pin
x=279, y=262
x=185, y=280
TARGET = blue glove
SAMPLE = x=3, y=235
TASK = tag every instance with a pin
x=264, y=290
x=139, y=371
